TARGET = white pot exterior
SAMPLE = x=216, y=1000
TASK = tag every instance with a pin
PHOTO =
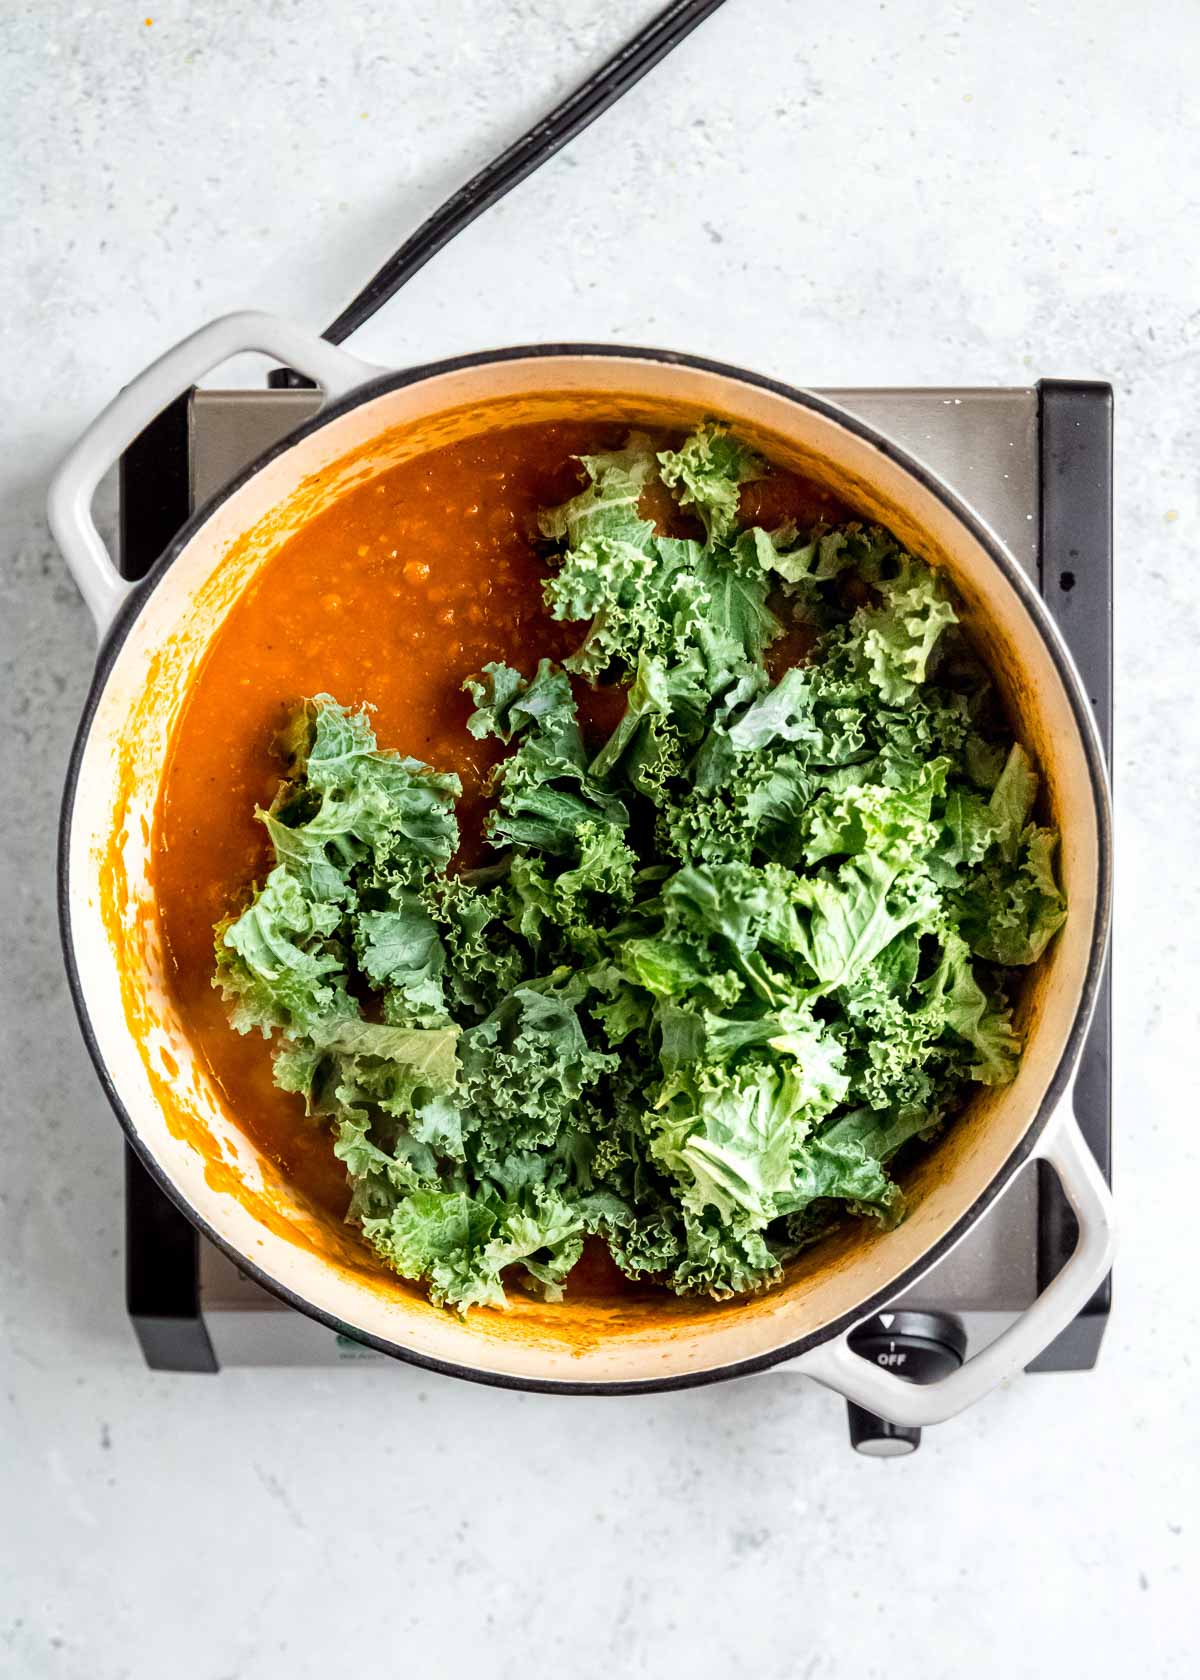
x=175, y=1115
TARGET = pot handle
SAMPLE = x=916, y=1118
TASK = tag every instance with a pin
x=133, y=408
x=879, y=1390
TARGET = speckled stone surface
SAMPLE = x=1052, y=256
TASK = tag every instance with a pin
x=901, y=193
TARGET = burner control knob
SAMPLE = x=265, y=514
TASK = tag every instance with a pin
x=918, y=1346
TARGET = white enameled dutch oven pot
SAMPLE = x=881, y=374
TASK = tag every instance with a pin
x=153, y=639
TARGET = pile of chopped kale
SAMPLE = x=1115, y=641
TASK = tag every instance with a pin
x=712, y=976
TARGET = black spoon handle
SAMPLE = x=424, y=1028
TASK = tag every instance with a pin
x=525, y=155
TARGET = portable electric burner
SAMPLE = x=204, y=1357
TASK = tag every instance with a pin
x=1036, y=465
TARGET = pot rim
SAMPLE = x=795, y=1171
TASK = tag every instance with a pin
x=1059, y=1082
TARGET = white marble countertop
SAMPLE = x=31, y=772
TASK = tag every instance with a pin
x=883, y=193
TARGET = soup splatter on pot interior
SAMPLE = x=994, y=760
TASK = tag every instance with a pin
x=616, y=858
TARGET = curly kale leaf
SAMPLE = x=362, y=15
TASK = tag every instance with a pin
x=717, y=974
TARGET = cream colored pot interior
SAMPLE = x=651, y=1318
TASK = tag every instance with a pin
x=170, y=1100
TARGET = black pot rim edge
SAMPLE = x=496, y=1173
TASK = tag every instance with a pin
x=131, y=609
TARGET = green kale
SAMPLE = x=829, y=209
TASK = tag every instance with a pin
x=717, y=975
